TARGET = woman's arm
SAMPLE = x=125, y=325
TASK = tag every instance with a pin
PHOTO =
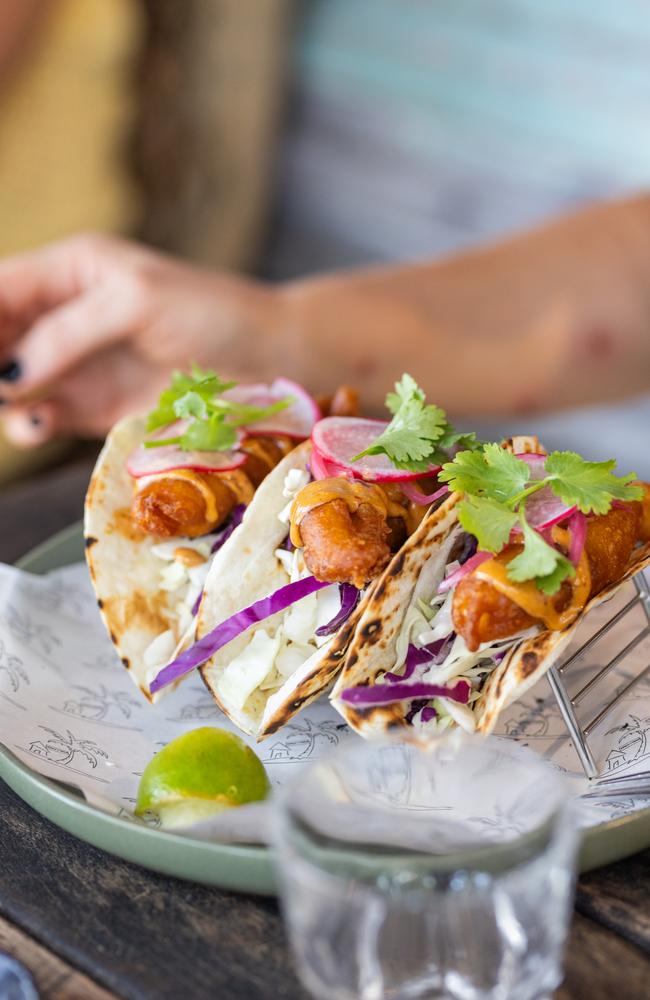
x=90, y=328
x=553, y=318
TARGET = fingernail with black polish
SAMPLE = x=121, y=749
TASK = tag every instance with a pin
x=11, y=371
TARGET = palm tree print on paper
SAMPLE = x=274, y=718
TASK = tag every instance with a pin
x=632, y=743
x=11, y=667
x=101, y=705
x=503, y=821
x=24, y=629
x=65, y=749
x=199, y=711
x=103, y=661
x=60, y=596
x=301, y=738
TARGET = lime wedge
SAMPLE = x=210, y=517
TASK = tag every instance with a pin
x=198, y=775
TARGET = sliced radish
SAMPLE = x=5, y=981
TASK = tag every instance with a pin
x=543, y=509
x=296, y=421
x=338, y=439
x=320, y=469
x=152, y=461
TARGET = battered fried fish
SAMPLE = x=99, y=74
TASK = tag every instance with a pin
x=191, y=503
x=482, y=613
x=348, y=529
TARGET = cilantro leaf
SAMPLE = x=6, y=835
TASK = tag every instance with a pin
x=551, y=583
x=450, y=438
x=492, y=472
x=490, y=522
x=419, y=434
x=405, y=390
x=211, y=420
x=240, y=414
x=539, y=561
x=213, y=434
x=191, y=404
x=410, y=437
x=205, y=384
x=590, y=485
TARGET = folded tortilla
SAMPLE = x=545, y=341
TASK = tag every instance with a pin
x=244, y=676
x=415, y=573
x=148, y=624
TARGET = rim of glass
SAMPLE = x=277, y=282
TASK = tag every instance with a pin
x=363, y=859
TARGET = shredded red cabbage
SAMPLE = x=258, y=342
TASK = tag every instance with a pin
x=386, y=694
x=234, y=522
x=469, y=547
x=414, y=708
x=428, y=713
x=195, y=606
x=228, y=630
x=349, y=600
x=415, y=657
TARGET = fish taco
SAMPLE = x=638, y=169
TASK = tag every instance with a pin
x=285, y=594
x=487, y=596
x=166, y=493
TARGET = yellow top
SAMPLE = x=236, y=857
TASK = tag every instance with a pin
x=65, y=119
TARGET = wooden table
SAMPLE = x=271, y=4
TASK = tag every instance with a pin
x=91, y=927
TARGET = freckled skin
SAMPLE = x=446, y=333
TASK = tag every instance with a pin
x=481, y=613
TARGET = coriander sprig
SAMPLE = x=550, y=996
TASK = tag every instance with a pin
x=419, y=435
x=496, y=486
x=212, y=420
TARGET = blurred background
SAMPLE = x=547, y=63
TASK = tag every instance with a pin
x=282, y=137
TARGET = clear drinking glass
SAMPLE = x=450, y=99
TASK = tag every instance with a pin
x=410, y=872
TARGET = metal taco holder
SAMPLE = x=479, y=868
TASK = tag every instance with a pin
x=632, y=784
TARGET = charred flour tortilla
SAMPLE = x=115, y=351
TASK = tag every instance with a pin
x=275, y=668
x=147, y=623
x=372, y=651
x=529, y=660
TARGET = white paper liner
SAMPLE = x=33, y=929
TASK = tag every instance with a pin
x=69, y=710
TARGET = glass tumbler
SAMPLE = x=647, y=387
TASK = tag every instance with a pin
x=443, y=871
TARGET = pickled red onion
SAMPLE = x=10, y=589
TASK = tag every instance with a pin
x=422, y=498
x=462, y=571
x=578, y=534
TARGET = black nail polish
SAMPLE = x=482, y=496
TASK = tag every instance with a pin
x=35, y=420
x=11, y=371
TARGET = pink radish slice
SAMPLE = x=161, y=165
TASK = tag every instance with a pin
x=153, y=461
x=338, y=439
x=543, y=509
x=320, y=469
x=454, y=578
x=296, y=421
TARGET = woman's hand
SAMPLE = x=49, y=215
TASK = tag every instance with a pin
x=91, y=327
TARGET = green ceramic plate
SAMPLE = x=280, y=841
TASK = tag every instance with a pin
x=248, y=869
